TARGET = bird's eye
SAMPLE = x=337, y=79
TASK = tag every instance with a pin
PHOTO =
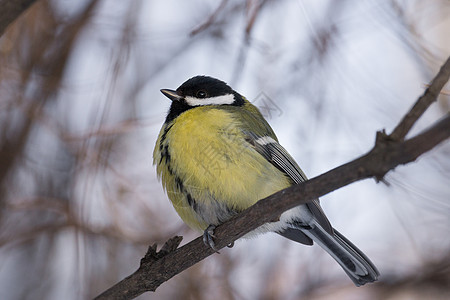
x=201, y=94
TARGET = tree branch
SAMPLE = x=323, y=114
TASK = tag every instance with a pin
x=389, y=152
x=429, y=96
x=10, y=10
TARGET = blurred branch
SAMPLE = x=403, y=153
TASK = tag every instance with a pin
x=10, y=10
x=210, y=20
x=422, y=104
x=433, y=273
x=253, y=11
x=66, y=218
x=60, y=47
x=388, y=152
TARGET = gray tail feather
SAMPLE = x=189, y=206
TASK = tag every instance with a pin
x=355, y=263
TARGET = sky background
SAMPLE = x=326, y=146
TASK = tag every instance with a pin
x=80, y=202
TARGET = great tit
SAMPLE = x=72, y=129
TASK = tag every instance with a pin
x=216, y=155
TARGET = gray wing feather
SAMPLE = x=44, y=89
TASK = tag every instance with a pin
x=280, y=158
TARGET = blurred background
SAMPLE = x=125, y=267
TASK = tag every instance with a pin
x=80, y=110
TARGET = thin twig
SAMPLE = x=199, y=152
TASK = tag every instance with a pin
x=210, y=20
x=429, y=96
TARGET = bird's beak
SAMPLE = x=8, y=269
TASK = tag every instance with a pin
x=171, y=94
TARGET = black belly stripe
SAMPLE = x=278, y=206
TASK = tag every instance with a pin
x=169, y=168
x=163, y=137
x=164, y=148
x=179, y=184
x=190, y=200
x=165, y=154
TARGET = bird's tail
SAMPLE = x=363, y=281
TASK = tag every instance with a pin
x=355, y=263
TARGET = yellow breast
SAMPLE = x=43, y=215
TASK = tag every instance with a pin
x=204, y=156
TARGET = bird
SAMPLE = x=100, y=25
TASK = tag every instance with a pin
x=216, y=155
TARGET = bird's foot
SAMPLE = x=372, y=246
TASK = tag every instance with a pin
x=208, y=237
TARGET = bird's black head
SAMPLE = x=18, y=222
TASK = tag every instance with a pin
x=200, y=91
x=202, y=87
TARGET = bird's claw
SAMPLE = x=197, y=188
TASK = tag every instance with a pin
x=208, y=237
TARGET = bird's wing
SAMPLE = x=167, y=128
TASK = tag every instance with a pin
x=280, y=158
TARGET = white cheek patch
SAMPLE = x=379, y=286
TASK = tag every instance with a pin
x=224, y=99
